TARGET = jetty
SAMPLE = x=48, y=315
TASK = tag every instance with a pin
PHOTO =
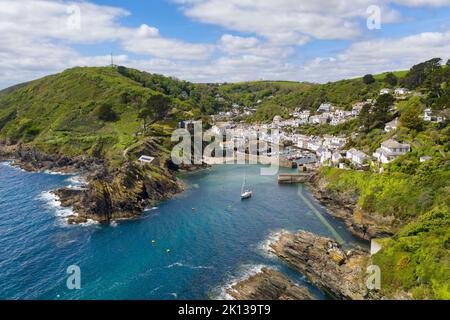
x=291, y=178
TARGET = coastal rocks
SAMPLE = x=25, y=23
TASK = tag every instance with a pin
x=110, y=193
x=324, y=263
x=268, y=284
x=345, y=207
x=121, y=194
x=33, y=160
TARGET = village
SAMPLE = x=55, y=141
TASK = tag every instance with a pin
x=279, y=138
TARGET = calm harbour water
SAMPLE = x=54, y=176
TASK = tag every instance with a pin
x=222, y=240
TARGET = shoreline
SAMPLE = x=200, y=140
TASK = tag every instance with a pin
x=263, y=284
x=363, y=226
x=108, y=194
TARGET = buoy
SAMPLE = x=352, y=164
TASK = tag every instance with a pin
x=153, y=241
x=168, y=250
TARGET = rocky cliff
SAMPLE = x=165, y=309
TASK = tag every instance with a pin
x=112, y=192
x=324, y=263
x=268, y=284
x=345, y=207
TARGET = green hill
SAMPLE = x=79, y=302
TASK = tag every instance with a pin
x=91, y=111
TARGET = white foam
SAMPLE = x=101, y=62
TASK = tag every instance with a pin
x=244, y=272
x=53, y=202
x=77, y=182
x=182, y=265
x=113, y=224
x=57, y=173
x=265, y=246
x=10, y=164
x=174, y=294
x=89, y=223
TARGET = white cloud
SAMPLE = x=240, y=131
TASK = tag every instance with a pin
x=148, y=41
x=379, y=56
x=235, y=45
x=289, y=22
x=38, y=37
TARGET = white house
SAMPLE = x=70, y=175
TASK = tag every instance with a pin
x=314, y=145
x=336, y=157
x=302, y=141
x=357, y=107
x=425, y=158
x=401, y=91
x=356, y=156
x=391, y=126
x=428, y=116
x=146, y=159
x=277, y=119
x=325, y=107
x=391, y=150
x=385, y=91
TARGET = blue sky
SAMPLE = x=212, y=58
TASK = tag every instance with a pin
x=222, y=40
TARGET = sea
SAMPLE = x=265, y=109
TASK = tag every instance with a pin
x=191, y=247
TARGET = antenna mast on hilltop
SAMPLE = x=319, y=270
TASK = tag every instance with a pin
x=112, y=60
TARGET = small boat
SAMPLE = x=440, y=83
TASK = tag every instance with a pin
x=245, y=193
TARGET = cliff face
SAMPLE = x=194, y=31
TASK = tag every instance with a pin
x=31, y=159
x=268, y=284
x=324, y=263
x=345, y=207
x=111, y=193
x=122, y=194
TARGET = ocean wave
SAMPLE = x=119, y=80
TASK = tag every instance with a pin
x=10, y=165
x=52, y=202
x=63, y=213
x=264, y=247
x=89, y=223
x=243, y=273
x=77, y=182
x=57, y=173
x=182, y=265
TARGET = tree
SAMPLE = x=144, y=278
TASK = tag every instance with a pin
x=365, y=117
x=106, y=113
x=155, y=108
x=391, y=79
x=368, y=79
x=382, y=109
x=419, y=73
x=448, y=63
x=411, y=119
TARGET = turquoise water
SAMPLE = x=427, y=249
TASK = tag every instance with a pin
x=220, y=241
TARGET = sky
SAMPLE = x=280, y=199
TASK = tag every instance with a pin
x=222, y=40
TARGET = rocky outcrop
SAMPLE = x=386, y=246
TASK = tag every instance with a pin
x=121, y=194
x=325, y=263
x=33, y=160
x=345, y=206
x=268, y=284
x=111, y=193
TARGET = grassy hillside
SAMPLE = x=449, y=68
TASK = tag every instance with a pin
x=415, y=193
x=91, y=111
x=306, y=96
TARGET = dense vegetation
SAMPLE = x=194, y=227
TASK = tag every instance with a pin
x=415, y=193
x=93, y=111
x=103, y=112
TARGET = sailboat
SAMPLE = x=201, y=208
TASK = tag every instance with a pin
x=245, y=193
